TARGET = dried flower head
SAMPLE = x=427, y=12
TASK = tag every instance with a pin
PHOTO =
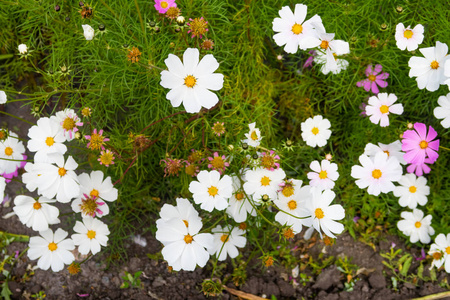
x=218, y=128
x=243, y=226
x=195, y=156
x=134, y=55
x=96, y=140
x=191, y=169
x=268, y=260
x=86, y=12
x=207, y=44
x=90, y=205
x=74, y=268
x=86, y=112
x=3, y=134
x=197, y=27
x=173, y=166
x=270, y=161
x=288, y=233
x=106, y=158
x=173, y=13
x=218, y=163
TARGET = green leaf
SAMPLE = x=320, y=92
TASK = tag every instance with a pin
x=406, y=266
x=6, y=291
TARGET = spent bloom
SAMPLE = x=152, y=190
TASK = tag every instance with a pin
x=440, y=251
x=211, y=191
x=380, y=106
x=408, y=38
x=90, y=206
x=416, y=226
x=172, y=166
x=197, y=27
x=226, y=242
x=324, y=174
x=292, y=31
x=412, y=191
x=218, y=163
x=191, y=82
x=23, y=49
x=253, y=137
x=419, y=145
x=218, y=128
x=52, y=249
x=89, y=32
x=377, y=173
x=106, y=158
x=96, y=140
x=162, y=6
x=443, y=110
x=270, y=160
x=429, y=69
x=315, y=131
x=374, y=79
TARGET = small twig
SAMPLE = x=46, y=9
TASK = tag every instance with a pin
x=434, y=296
x=242, y=294
x=156, y=122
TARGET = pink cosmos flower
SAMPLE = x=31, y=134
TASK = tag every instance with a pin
x=218, y=163
x=419, y=145
x=419, y=168
x=162, y=6
x=374, y=79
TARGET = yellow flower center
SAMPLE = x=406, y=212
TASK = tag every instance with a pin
x=408, y=34
x=37, y=205
x=412, y=189
x=190, y=81
x=387, y=152
x=88, y=206
x=218, y=162
x=372, y=77
x=418, y=224
x=315, y=130
x=265, y=181
x=91, y=234
x=376, y=173
x=268, y=161
x=297, y=29
x=68, y=124
x=423, y=144
x=86, y=112
x=447, y=250
x=106, y=158
x=292, y=204
x=164, y=4
x=224, y=238
x=288, y=191
x=239, y=196
x=323, y=174
x=324, y=45
x=94, y=193
x=434, y=65
x=52, y=246
x=49, y=141
x=62, y=172
x=319, y=213
x=384, y=109
x=8, y=151
x=96, y=141
x=437, y=255
x=186, y=223
x=213, y=191
x=254, y=135
x=188, y=239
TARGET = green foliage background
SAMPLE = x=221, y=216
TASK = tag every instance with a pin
x=276, y=94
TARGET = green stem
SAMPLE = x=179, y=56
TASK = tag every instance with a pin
x=17, y=237
x=444, y=148
x=19, y=118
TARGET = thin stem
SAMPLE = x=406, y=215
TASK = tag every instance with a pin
x=160, y=120
x=18, y=118
x=444, y=148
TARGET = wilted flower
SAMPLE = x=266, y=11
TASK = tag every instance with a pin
x=197, y=27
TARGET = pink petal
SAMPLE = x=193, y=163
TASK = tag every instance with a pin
x=432, y=134
x=377, y=69
x=434, y=145
x=374, y=87
x=421, y=130
x=381, y=83
x=369, y=70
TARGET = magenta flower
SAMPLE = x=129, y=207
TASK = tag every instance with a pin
x=419, y=168
x=309, y=61
x=419, y=145
x=162, y=6
x=218, y=163
x=374, y=79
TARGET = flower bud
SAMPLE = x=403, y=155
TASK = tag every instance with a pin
x=180, y=21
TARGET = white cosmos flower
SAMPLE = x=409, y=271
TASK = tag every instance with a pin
x=262, y=182
x=3, y=97
x=408, y=38
x=183, y=211
x=443, y=110
x=393, y=149
x=324, y=175
x=315, y=131
x=68, y=121
x=23, y=49
x=321, y=58
x=412, y=190
x=184, y=247
x=416, y=226
x=11, y=153
x=46, y=137
x=211, y=191
x=380, y=106
x=225, y=243
x=291, y=202
x=90, y=235
x=322, y=215
x=292, y=29
x=2, y=189
x=95, y=185
x=57, y=179
x=377, y=174
x=53, y=250
x=440, y=251
x=89, y=32
x=191, y=81
x=36, y=214
x=253, y=137
x=239, y=205
x=429, y=70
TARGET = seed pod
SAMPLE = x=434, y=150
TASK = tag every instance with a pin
x=245, y=146
x=255, y=156
x=101, y=27
x=57, y=8
x=181, y=21
x=81, y=3
x=67, y=19
x=151, y=24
